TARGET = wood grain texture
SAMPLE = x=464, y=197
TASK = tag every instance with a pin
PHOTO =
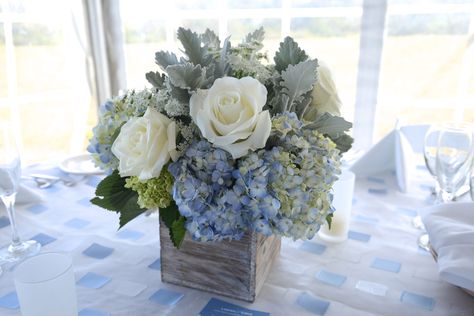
x=236, y=268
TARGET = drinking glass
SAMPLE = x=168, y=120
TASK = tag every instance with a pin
x=453, y=158
x=10, y=170
x=430, y=147
x=46, y=286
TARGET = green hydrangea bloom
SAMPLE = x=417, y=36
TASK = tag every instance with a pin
x=153, y=193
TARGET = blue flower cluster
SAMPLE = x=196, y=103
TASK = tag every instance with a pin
x=284, y=191
x=205, y=193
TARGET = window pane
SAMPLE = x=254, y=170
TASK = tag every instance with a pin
x=252, y=4
x=320, y=4
x=3, y=68
x=55, y=105
x=335, y=41
x=422, y=68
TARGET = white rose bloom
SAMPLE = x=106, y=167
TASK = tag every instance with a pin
x=325, y=97
x=230, y=114
x=145, y=144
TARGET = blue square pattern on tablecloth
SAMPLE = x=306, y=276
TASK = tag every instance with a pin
x=85, y=202
x=365, y=219
x=331, y=278
x=420, y=301
x=166, y=297
x=10, y=301
x=313, y=247
x=43, y=239
x=91, y=312
x=378, y=191
x=98, y=251
x=358, y=236
x=37, y=208
x=386, y=265
x=155, y=265
x=93, y=281
x=217, y=307
x=130, y=234
x=77, y=223
x=93, y=181
x=312, y=304
x=4, y=221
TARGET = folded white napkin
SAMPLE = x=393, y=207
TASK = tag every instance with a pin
x=393, y=152
x=451, y=230
x=27, y=195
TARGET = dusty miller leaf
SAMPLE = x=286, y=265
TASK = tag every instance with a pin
x=256, y=36
x=156, y=79
x=288, y=54
x=210, y=39
x=223, y=66
x=297, y=80
x=331, y=125
x=165, y=59
x=197, y=54
x=187, y=76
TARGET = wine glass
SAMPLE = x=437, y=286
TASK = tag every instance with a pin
x=10, y=169
x=453, y=158
x=430, y=147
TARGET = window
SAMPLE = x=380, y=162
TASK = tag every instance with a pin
x=427, y=67
x=44, y=63
x=328, y=30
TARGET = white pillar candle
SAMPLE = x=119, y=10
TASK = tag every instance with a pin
x=45, y=285
x=343, y=191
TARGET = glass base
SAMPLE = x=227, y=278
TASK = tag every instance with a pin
x=424, y=242
x=19, y=252
x=418, y=223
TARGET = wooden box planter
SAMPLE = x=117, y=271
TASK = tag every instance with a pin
x=236, y=268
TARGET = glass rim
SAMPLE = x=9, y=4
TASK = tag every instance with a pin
x=66, y=269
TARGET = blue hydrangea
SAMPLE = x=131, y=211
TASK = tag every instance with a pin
x=205, y=193
x=289, y=186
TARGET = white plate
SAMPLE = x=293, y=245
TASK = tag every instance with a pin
x=81, y=164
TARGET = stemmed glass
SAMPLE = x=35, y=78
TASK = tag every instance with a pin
x=430, y=148
x=10, y=169
x=453, y=159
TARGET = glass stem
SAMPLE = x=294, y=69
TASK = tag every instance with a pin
x=9, y=202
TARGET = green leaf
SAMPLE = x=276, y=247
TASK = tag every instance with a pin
x=343, y=143
x=191, y=42
x=329, y=219
x=331, y=125
x=112, y=195
x=178, y=231
x=297, y=80
x=288, y=54
x=210, y=39
x=169, y=214
x=187, y=76
x=256, y=36
x=155, y=78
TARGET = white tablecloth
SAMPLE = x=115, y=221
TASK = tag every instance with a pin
x=380, y=270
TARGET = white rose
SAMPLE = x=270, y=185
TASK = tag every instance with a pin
x=325, y=97
x=145, y=144
x=230, y=114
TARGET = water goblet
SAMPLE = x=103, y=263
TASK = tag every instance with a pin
x=10, y=170
x=453, y=158
x=430, y=147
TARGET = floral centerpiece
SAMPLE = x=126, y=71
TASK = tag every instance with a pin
x=224, y=142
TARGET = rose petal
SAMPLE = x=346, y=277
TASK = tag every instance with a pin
x=256, y=140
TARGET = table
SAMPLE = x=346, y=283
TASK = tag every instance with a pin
x=380, y=270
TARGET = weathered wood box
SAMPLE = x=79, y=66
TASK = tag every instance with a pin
x=236, y=268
